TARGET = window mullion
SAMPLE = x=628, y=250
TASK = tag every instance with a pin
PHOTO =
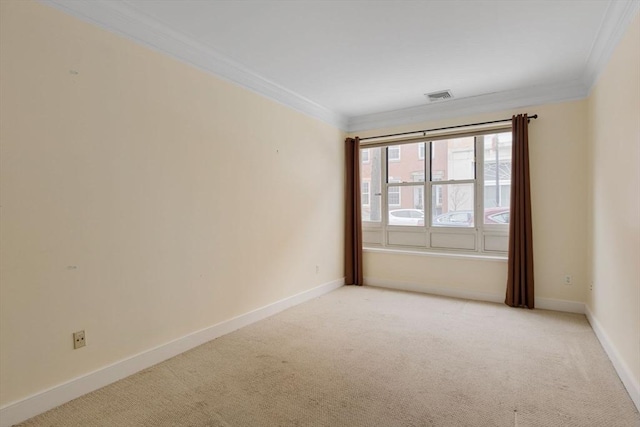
x=455, y=181
x=428, y=199
x=480, y=187
x=384, y=188
x=406, y=184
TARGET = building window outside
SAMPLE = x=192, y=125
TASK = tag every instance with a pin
x=393, y=153
x=418, y=191
x=365, y=193
x=394, y=193
x=364, y=155
x=437, y=200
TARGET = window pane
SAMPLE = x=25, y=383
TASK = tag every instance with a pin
x=453, y=159
x=406, y=205
x=497, y=178
x=371, y=179
x=408, y=167
x=452, y=205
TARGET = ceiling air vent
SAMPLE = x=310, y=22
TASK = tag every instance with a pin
x=439, y=96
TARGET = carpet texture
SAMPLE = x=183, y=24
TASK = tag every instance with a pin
x=363, y=356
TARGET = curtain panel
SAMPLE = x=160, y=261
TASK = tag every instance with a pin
x=353, y=219
x=520, y=283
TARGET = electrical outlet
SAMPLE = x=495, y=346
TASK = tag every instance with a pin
x=317, y=269
x=78, y=340
x=568, y=280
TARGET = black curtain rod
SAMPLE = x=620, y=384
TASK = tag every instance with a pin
x=535, y=116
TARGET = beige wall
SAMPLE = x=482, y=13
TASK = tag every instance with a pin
x=614, y=142
x=143, y=199
x=557, y=148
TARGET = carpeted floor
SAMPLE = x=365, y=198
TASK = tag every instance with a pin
x=363, y=356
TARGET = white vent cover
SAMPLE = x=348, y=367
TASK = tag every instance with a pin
x=439, y=96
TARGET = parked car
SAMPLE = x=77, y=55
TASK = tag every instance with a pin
x=499, y=215
x=406, y=217
x=454, y=219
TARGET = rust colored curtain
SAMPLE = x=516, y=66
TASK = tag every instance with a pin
x=520, y=265
x=353, y=220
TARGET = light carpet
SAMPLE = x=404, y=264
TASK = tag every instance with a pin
x=363, y=356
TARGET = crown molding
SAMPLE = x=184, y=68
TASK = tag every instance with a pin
x=124, y=19
x=613, y=26
x=460, y=107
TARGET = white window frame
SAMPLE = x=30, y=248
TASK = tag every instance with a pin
x=481, y=239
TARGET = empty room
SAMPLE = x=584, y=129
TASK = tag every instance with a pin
x=319, y=213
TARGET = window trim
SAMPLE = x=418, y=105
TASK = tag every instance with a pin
x=476, y=237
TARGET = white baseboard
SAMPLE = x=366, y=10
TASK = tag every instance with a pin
x=24, y=409
x=542, y=303
x=630, y=383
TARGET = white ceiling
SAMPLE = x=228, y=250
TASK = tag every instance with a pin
x=356, y=63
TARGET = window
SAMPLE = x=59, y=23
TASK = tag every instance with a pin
x=497, y=178
x=394, y=194
x=418, y=191
x=405, y=189
x=437, y=200
x=364, y=155
x=371, y=174
x=453, y=196
x=453, y=161
x=393, y=153
x=365, y=194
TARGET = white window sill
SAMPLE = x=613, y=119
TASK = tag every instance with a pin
x=434, y=254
